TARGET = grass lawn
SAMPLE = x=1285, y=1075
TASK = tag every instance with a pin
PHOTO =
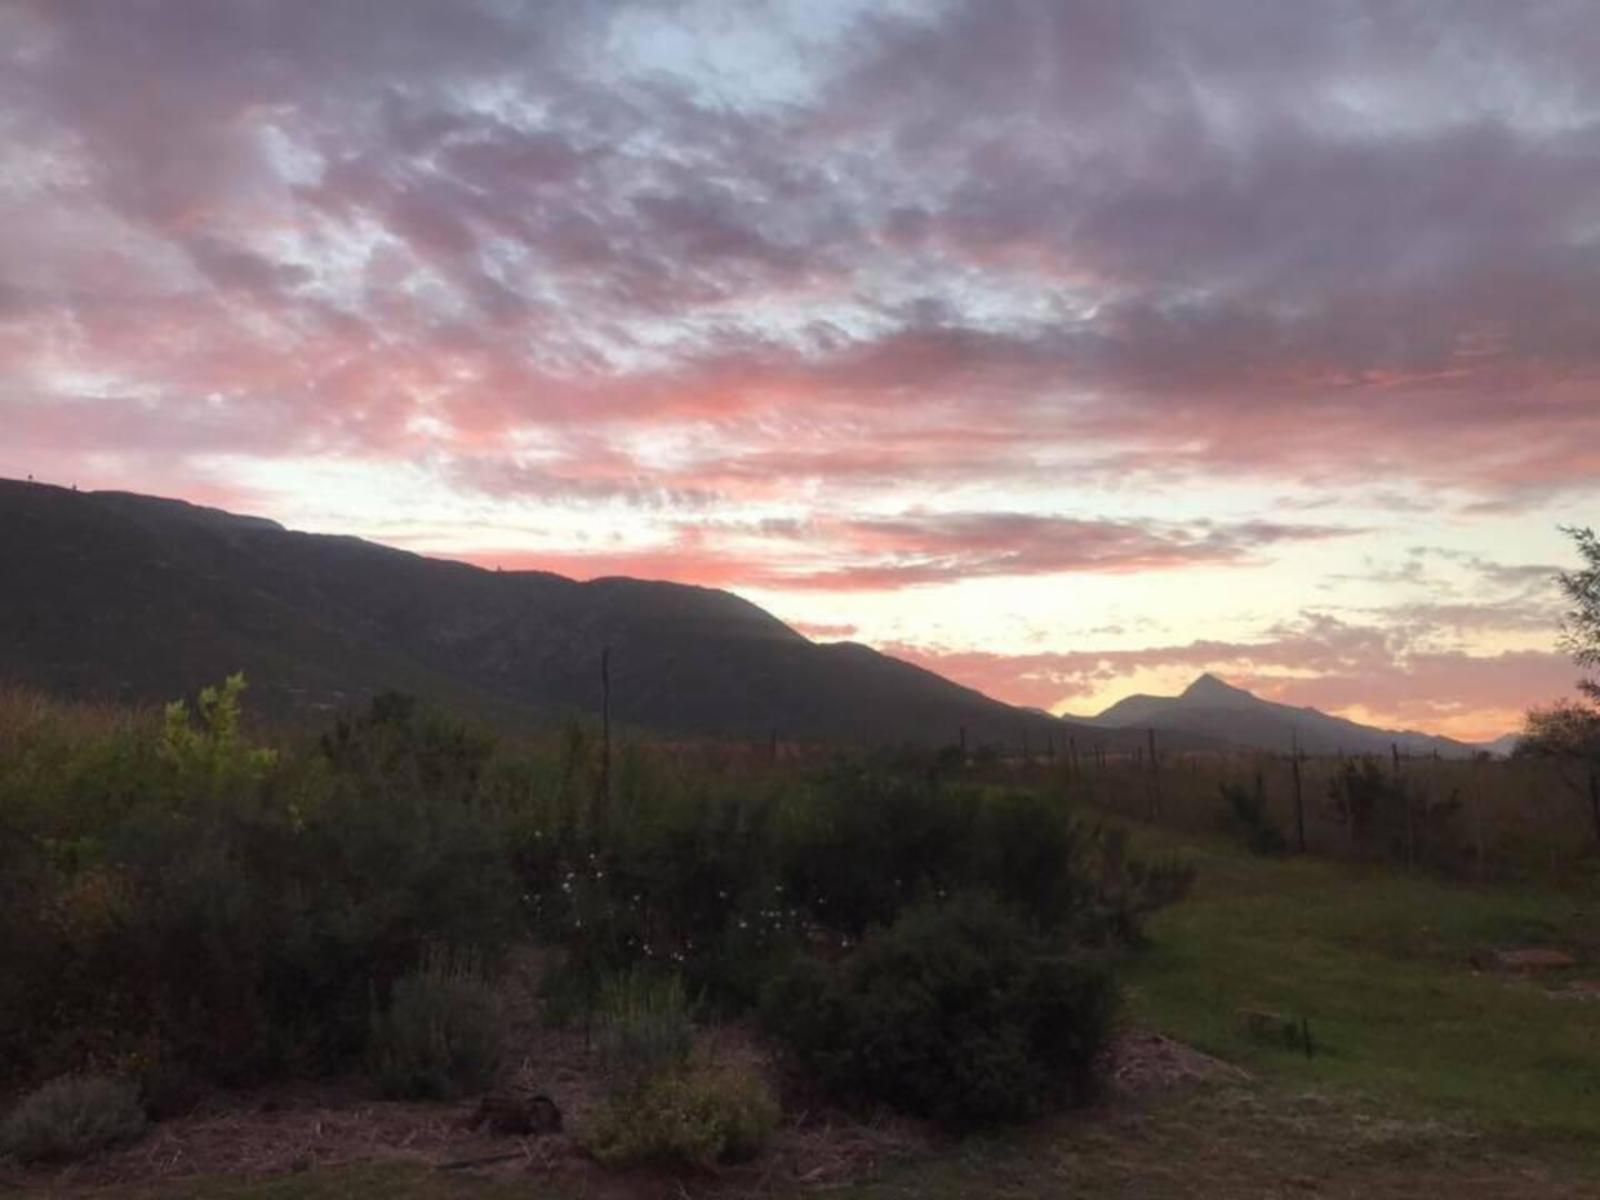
x=1427, y=1076
x=1380, y=966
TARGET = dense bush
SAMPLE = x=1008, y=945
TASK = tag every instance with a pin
x=672, y=871
x=1248, y=819
x=71, y=1117
x=176, y=894
x=232, y=909
x=726, y=886
x=1386, y=813
x=697, y=1117
x=644, y=1027
x=869, y=842
x=440, y=1037
x=958, y=1012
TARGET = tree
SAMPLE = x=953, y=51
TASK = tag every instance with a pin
x=1569, y=731
x=1580, y=627
x=1566, y=729
x=1569, y=734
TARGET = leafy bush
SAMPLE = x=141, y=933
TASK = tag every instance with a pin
x=440, y=1037
x=644, y=1027
x=1386, y=812
x=208, y=750
x=171, y=885
x=1370, y=800
x=1248, y=818
x=870, y=842
x=698, y=1117
x=71, y=1117
x=956, y=1012
x=167, y=1087
x=1126, y=890
x=725, y=882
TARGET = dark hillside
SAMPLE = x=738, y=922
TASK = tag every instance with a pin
x=133, y=597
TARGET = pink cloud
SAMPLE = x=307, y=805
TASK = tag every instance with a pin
x=977, y=249
x=1369, y=672
x=915, y=549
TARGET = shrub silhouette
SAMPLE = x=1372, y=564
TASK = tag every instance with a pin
x=440, y=1037
x=957, y=1012
x=644, y=1028
x=1249, y=819
x=72, y=1117
x=697, y=1117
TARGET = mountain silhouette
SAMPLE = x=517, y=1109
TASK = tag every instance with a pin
x=1213, y=708
x=129, y=597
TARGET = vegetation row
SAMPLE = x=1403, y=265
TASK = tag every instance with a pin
x=185, y=908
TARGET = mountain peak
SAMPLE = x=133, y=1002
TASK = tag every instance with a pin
x=1209, y=687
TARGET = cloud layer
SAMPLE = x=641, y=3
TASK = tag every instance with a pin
x=819, y=297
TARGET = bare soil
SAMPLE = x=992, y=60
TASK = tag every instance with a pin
x=282, y=1131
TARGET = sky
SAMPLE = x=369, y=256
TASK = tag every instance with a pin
x=1067, y=348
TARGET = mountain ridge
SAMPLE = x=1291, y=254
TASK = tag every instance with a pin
x=1213, y=707
x=124, y=596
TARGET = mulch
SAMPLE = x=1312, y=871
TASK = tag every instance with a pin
x=281, y=1130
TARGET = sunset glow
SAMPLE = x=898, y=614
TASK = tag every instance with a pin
x=1068, y=349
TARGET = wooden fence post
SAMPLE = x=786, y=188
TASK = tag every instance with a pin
x=1155, y=777
x=1594, y=797
x=1411, y=816
x=1299, y=799
x=605, y=729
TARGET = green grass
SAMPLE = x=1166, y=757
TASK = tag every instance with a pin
x=1234, y=1143
x=1379, y=964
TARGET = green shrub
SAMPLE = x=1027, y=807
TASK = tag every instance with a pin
x=696, y=1117
x=871, y=842
x=168, y=1087
x=956, y=1012
x=71, y=1117
x=644, y=1027
x=1033, y=854
x=1247, y=812
x=1127, y=890
x=441, y=1036
x=175, y=885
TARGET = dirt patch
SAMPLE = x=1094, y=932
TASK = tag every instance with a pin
x=281, y=1131
x=1144, y=1062
x=1578, y=989
x=1531, y=959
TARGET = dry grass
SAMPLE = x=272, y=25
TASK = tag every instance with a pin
x=1222, y=1139
x=27, y=715
x=1239, y=1141
x=1512, y=819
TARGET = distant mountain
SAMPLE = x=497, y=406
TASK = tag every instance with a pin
x=1503, y=746
x=122, y=596
x=1212, y=708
